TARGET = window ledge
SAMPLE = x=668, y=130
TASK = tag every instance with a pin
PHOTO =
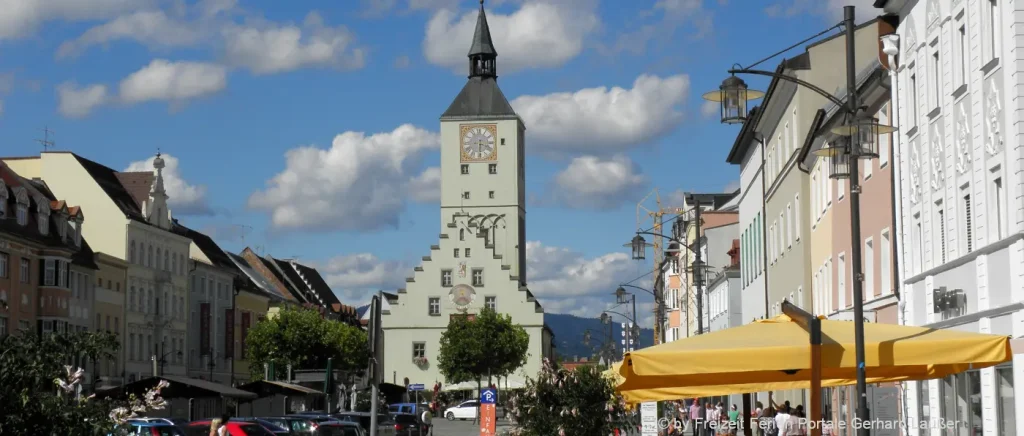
x=934, y=113
x=912, y=132
x=991, y=65
x=959, y=91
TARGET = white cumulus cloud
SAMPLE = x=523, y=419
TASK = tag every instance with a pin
x=359, y=183
x=267, y=48
x=173, y=81
x=426, y=187
x=537, y=35
x=605, y=120
x=183, y=198
x=355, y=277
x=21, y=18
x=591, y=182
x=161, y=80
x=559, y=272
x=74, y=101
x=154, y=28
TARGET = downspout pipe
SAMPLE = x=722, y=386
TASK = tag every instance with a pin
x=890, y=46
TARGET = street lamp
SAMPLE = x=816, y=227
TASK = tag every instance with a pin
x=860, y=134
x=639, y=247
x=733, y=95
x=162, y=361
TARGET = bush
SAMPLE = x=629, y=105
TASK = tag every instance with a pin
x=561, y=402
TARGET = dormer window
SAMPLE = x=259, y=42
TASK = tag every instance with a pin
x=22, y=214
x=62, y=228
x=44, y=220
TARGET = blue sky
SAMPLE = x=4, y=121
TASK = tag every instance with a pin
x=309, y=128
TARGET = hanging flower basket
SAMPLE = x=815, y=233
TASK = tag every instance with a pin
x=420, y=360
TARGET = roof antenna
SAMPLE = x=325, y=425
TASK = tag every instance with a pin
x=46, y=142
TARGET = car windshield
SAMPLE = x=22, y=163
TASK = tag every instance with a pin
x=167, y=431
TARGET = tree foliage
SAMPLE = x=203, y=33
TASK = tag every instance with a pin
x=490, y=345
x=39, y=393
x=305, y=339
x=562, y=402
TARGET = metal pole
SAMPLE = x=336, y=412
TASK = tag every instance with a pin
x=635, y=325
x=698, y=273
x=855, y=247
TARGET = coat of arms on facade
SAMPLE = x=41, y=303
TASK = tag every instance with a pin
x=937, y=161
x=462, y=269
x=994, y=142
x=963, y=142
x=915, y=173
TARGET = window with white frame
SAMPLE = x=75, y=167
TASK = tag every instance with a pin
x=941, y=226
x=842, y=281
x=491, y=303
x=960, y=42
x=912, y=91
x=789, y=223
x=999, y=221
x=869, y=267
x=419, y=349
x=867, y=167
x=936, y=67
x=885, y=266
x=796, y=216
x=828, y=286
x=446, y=278
x=884, y=140
x=991, y=28
x=967, y=220
x=782, y=233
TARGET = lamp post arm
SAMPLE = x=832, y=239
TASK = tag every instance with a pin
x=622, y=315
x=642, y=289
x=838, y=25
x=841, y=104
x=671, y=239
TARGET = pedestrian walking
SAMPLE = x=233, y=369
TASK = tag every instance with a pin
x=696, y=417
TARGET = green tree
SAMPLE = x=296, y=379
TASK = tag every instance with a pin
x=563, y=402
x=305, y=339
x=39, y=394
x=488, y=346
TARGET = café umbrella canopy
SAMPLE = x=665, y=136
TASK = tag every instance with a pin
x=733, y=96
x=775, y=354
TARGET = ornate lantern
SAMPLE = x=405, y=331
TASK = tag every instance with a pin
x=733, y=96
x=639, y=247
x=839, y=158
x=864, y=133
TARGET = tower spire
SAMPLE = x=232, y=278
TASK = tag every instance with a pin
x=482, y=55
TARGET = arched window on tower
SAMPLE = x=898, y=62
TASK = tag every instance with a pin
x=462, y=234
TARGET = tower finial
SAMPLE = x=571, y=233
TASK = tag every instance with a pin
x=482, y=62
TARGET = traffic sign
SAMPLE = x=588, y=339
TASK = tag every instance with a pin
x=416, y=387
x=488, y=396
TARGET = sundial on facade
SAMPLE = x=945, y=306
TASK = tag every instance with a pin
x=462, y=296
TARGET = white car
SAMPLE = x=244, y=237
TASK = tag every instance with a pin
x=466, y=410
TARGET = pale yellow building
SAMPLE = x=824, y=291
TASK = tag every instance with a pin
x=109, y=308
x=132, y=223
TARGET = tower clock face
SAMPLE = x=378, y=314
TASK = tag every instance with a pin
x=478, y=142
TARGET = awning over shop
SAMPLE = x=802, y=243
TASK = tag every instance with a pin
x=264, y=388
x=181, y=387
x=775, y=354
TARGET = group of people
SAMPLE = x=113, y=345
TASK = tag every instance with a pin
x=708, y=420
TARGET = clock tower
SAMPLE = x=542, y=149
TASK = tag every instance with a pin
x=479, y=261
x=482, y=159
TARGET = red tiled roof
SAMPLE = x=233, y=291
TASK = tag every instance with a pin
x=138, y=184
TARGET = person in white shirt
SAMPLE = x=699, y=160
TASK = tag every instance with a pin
x=782, y=419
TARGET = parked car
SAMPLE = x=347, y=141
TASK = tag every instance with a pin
x=408, y=408
x=385, y=426
x=274, y=428
x=408, y=424
x=295, y=425
x=340, y=428
x=465, y=410
x=235, y=428
x=145, y=428
x=173, y=421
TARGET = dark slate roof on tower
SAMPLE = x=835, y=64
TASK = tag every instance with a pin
x=480, y=98
x=482, y=43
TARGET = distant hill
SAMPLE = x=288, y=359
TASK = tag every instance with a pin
x=569, y=331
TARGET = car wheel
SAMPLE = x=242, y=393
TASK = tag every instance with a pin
x=450, y=416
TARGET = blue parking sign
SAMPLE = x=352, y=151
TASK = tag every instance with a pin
x=488, y=396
